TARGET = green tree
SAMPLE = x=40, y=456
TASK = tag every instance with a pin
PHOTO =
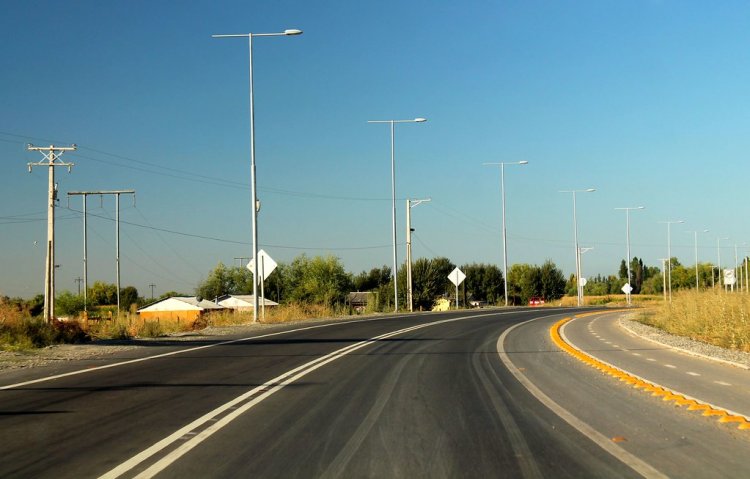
x=484, y=282
x=320, y=280
x=68, y=304
x=128, y=296
x=103, y=294
x=430, y=281
x=552, y=281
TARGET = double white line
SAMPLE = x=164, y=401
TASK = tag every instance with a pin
x=204, y=427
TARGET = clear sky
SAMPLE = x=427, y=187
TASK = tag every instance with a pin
x=646, y=101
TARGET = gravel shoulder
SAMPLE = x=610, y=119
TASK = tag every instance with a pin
x=735, y=358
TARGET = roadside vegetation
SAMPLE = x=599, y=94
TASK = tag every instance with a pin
x=714, y=317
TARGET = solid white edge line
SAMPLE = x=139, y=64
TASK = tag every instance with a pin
x=276, y=384
x=630, y=460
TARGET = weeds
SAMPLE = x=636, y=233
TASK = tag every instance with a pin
x=713, y=317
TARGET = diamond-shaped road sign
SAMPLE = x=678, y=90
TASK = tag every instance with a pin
x=457, y=276
x=627, y=289
x=267, y=265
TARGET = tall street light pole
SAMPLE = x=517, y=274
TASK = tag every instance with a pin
x=627, y=232
x=579, y=287
x=409, y=289
x=695, y=243
x=505, y=242
x=669, y=224
x=393, y=198
x=253, y=192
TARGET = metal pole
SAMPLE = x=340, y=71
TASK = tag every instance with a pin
x=669, y=258
x=393, y=226
x=505, y=242
x=627, y=228
x=117, y=247
x=409, y=292
x=253, y=192
x=697, y=285
x=735, y=265
x=578, y=257
x=263, y=286
x=152, y=286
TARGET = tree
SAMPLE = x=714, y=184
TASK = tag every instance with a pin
x=128, y=296
x=218, y=283
x=320, y=280
x=430, y=281
x=68, y=304
x=552, y=281
x=103, y=294
x=484, y=282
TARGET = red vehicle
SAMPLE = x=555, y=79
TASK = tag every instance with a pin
x=536, y=301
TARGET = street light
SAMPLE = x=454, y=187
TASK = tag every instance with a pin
x=409, y=290
x=627, y=230
x=579, y=288
x=393, y=198
x=253, y=193
x=669, y=224
x=505, y=242
x=695, y=233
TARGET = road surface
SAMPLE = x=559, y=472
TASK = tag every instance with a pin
x=482, y=393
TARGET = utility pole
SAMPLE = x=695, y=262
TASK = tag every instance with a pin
x=409, y=293
x=152, y=286
x=242, y=259
x=52, y=156
x=79, y=280
x=116, y=194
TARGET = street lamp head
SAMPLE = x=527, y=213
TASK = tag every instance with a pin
x=523, y=162
x=292, y=31
x=590, y=190
x=420, y=120
x=705, y=231
x=641, y=208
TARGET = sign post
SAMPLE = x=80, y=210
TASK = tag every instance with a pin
x=267, y=265
x=457, y=277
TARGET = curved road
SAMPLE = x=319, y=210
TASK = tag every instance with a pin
x=428, y=395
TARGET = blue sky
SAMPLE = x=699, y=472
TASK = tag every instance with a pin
x=646, y=101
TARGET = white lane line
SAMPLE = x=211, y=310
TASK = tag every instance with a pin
x=636, y=354
x=722, y=383
x=270, y=387
x=692, y=373
x=641, y=467
x=671, y=366
x=650, y=359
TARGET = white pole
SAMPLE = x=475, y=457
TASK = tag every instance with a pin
x=409, y=292
x=393, y=216
x=505, y=236
x=253, y=192
x=697, y=285
x=117, y=248
x=669, y=258
x=627, y=229
x=262, y=285
x=578, y=257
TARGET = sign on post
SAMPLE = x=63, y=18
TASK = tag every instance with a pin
x=267, y=265
x=627, y=289
x=729, y=278
x=457, y=277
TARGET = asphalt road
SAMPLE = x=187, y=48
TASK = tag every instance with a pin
x=411, y=396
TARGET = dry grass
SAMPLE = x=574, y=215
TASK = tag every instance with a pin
x=614, y=300
x=718, y=318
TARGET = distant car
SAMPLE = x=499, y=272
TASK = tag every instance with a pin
x=536, y=301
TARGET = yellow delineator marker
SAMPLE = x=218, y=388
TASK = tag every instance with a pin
x=642, y=384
